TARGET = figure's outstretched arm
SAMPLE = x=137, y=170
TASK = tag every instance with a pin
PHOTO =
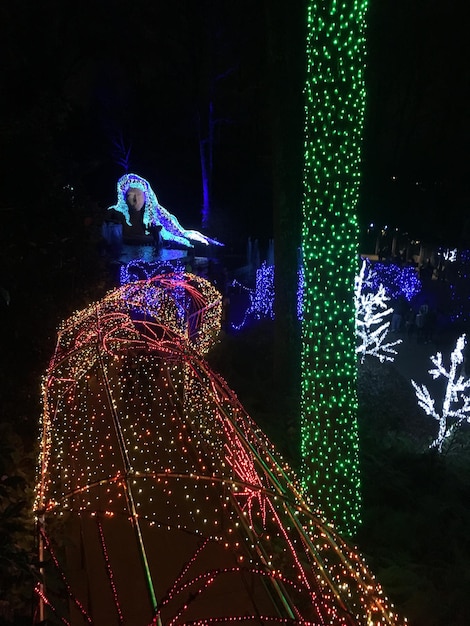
x=172, y=230
x=195, y=235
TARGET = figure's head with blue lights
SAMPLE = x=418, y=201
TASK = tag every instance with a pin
x=135, y=194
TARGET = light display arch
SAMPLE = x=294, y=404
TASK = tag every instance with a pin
x=159, y=500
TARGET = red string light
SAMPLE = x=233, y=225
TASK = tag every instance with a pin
x=141, y=436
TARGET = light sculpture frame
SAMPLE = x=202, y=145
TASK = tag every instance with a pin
x=159, y=501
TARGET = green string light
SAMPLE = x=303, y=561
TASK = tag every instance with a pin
x=334, y=113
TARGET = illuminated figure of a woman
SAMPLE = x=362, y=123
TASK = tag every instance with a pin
x=144, y=216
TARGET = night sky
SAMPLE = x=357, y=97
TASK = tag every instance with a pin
x=79, y=77
x=417, y=122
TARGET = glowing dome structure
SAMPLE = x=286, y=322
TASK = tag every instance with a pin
x=159, y=501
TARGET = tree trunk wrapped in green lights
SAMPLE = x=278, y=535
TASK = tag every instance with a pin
x=333, y=130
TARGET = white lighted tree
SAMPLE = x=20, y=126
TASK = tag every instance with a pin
x=372, y=325
x=456, y=404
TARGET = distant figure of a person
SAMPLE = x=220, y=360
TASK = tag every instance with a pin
x=399, y=312
x=429, y=325
x=421, y=323
x=145, y=220
x=426, y=271
x=410, y=322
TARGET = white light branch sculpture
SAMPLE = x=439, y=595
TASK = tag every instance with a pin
x=456, y=404
x=371, y=324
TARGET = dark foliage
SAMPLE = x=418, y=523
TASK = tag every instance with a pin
x=50, y=267
x=16, y=528
x=415, y=513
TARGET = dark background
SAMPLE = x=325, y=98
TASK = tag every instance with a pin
x=417, y=121
x=79, y=77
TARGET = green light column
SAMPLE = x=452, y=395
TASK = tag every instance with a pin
x=334, y=113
